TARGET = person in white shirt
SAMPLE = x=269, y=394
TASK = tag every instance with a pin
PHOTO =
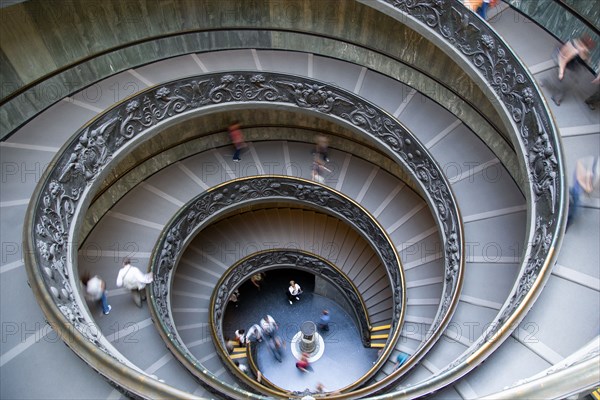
x=255, y=334
x=95, y=289
x=268, y=325
x=240, y=336
x=133, y=279
x=294, y=292
x=242, y=367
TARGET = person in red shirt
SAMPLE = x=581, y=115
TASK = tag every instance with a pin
x=303, y=364
x=237, y=138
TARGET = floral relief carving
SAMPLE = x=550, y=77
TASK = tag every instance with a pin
x=93, y=148
x=537, y=139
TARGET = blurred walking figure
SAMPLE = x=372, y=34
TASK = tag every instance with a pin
x=318, y=168
x=324, y=321
x=255, y=334
x=95, y=289
x=593, y=100
x=276, y=345
x=585, y=179
x=257, y=279
x=133, y=279
x=400, y=359
x=242, y=367
x=303, y=364
x=237, y=139
x=240, y=336
x=322, y=147
x=235, y=297
x=268, y=325
x=568, y=58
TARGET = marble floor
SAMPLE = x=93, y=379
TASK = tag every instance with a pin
x=344, y=359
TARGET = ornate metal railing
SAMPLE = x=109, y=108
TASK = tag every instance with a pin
x=207, y=206
x=576, y=374
x=471, y=41
x=281, y=258
x=67, y=187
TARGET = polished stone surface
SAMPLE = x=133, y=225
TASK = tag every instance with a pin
x=563, y=23
x=344, y=359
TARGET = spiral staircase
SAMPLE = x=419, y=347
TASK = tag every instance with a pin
x=458, y=348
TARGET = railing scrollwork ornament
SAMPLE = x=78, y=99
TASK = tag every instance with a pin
x=287, y=258
x=535, y=137
x=59, y=202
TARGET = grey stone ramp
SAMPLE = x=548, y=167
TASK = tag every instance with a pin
x=426, y=119
x=23, y=324
x=386, y=92
x=337, y=72
x=102, y=95
x=263, y=158
x=120, y=232
x=17, y=375
x=22, y=168
x=284, y=61
x=581, y=242
x=559, y=335
x=359, y=174
x=228, y=60
x=512, y=359
x=179, y=183
x=171, y=68
x=54, y=126
x=158, y=206
x=205, y=169
x=11, y=228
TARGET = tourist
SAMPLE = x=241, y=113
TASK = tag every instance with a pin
x=268, y=325
x=240, y=336
x=303, y=364
x=96, y=291
x=237, y=139
x=400, y=359
x=133, y=279
x=293, y=292
x=255, y=334
x=585, y=179
x=257, y=279
x=569, y=57
x=324, y=321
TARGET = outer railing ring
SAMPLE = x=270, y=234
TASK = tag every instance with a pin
x=207, y=206
x=64, y=192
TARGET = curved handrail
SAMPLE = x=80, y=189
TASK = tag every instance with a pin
x=266, y=260
x=66, y=188
x=200, y=211
x=473, y=42
x=573, y=375
x=438, y=94
x=273, y=259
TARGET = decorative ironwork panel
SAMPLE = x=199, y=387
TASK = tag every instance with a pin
x=75, y=170
x=279, y=258
x=206, y=206
x=535, y=136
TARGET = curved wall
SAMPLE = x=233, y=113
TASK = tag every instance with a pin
x=113, y=36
